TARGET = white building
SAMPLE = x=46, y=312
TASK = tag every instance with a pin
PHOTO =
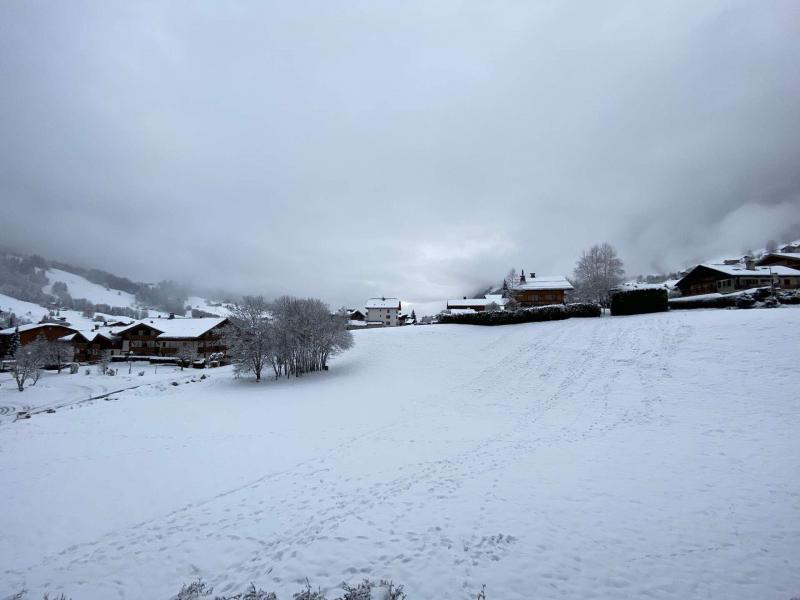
x=383, y=310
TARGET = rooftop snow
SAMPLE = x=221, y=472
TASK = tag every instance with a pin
x=740, y=271
x=179, y=328
x=547, y=282
x=383, y=303
x=31, y=326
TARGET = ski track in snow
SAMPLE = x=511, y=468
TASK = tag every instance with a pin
x=496, y=506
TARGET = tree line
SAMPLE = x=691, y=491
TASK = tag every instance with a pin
x=291, y=336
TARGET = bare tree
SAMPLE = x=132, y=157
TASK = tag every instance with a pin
x=29, y=360
x=187, y=353
x=597, y=271
x=58, y=354
x=249, y=336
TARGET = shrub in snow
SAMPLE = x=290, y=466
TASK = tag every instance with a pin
x=141, y=373
x=73, y=368
x=638, y=301
x=554, y=312
x=745, y=301
x=771, y=303
x=309, y=594
x=199, y=590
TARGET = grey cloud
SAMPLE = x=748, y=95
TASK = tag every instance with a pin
x=416, y=149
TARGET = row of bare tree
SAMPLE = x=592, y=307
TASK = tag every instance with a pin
x=290, y=335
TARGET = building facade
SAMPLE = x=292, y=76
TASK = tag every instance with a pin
x=385, y=311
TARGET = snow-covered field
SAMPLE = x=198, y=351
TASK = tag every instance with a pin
x=651, y=456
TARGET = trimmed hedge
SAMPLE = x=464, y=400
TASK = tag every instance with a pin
x=554, y=312
x=639, y=301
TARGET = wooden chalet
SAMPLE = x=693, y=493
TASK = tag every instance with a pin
x=476, y=304
x=169, y=337
x=539, y=291
x=784, y=259
x=93, y=346
x=28, y=333
x=727, y=278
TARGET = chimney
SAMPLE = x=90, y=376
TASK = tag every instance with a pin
x=749, y=263
x=522, y=276
x=533, y=275
x=171, y=315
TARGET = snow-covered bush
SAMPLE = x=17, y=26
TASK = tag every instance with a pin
x=638, y=301
x=745, y=301
x=554, y=312
x=74, y=368
x=366, y=590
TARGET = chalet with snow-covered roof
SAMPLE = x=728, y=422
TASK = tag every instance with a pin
x=93, y=346
x=28, y=333
x=172, y=337
x=357, y=314
x=784, y=259
x=385, y=311
x=726, y=278
x=477, y=304
x=531, y=290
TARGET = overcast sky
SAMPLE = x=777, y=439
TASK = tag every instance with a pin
x=351, y=149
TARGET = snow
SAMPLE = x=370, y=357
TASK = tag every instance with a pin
x=383, y=303
x=617, y=457
x=28, y=327
x=79, y=287
x=179, y=328
x=22, y=309
x=757, y=272
x=208, y=306
x=546, y=282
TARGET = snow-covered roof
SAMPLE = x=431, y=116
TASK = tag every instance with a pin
x=383, y=303
x=742, y=271
x=179, y=328
x=485, y=301
x=793, y=255
x=31, y=326
x=546, y=282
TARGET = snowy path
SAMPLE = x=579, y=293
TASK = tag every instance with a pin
x=653, y=456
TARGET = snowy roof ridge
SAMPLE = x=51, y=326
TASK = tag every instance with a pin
x=544, y=282
x=383, y=302
x=30, y=326
x=741, y=270
x=178, y=327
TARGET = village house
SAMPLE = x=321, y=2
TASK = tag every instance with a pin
x=538, y=291
x=173, y=337
x=785, y=259
x=385, y=311
x=93, y=346
x=477, y=304
x=357, y=314
x=726, y=278
x=28, y=333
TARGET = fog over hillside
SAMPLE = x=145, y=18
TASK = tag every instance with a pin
x=346, y=150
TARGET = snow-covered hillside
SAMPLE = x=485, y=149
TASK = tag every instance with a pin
x=648, y=456
x=80, y=287
x=23, y=310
